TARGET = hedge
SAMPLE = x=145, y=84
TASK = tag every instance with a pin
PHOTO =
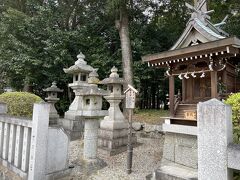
x=234, y=101
x=20, y=103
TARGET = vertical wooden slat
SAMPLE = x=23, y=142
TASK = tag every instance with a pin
x=224, y=79
x=171, y=95
x=183, y=89
x=1, y=137
x=214, y=83
x=26, y=148
x=11, y=147
x=190, y=89
x=5, y=141
x=18, y=146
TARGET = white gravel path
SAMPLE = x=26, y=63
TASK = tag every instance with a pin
x=146, y=158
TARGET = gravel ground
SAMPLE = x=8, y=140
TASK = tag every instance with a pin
x=146, y=158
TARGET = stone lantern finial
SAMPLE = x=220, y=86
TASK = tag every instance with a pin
x=93, y=77
x=114, y=73
x=81, y=59
x=54, y=84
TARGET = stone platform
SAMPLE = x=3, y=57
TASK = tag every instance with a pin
x=174, y=171
x=114, y=142
x=180, y=154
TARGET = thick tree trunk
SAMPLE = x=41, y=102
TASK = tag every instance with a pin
x=123, y=29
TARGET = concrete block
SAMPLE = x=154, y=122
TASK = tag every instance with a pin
x=172, y=171
x=169, y=147
x=3, y=108
x=180, y=129
x=186, y=140
x=181, y=149
x=186, y=156
x=234, y=156
x=57, y=151
x=110, y=134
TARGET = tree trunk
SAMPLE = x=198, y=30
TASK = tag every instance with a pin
x=27, y=85
x=123, y=29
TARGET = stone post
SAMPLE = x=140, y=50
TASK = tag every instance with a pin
x=38, y=149
x=3, y=108
x=90, y=139
x=214, y=135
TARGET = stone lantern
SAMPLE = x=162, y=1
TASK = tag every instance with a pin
x=72, y=121
x=52, y=98
x=113, y=132
x=92, y=112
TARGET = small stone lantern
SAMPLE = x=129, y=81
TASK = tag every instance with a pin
x=52, y=98
x=113, y=133
x=92, y=112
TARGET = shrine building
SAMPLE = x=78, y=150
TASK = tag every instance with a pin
x=204, y=58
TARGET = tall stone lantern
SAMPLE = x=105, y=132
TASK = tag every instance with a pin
x=113, y=132
x=73, y=121
x=92, y=112
x=52, y=98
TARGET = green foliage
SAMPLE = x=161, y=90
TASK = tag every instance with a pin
x=39, y=38
x=234, y=101
x=20, y=103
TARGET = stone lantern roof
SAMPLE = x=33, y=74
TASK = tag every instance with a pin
x=113, y=78
x=79, y=66
x=93, y=88
x=53, y=88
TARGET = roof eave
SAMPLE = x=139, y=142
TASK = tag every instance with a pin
x=232, y=41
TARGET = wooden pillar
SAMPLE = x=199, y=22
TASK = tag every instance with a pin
x=171, y=95
x=183, y=90
x=214, y=83
x=224, y=79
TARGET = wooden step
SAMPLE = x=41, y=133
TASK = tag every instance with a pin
x=182, y=109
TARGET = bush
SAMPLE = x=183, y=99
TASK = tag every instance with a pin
x=234, y=101
x=20, y=103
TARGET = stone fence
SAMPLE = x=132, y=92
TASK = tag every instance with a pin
x=31, y=148
x=217, y=155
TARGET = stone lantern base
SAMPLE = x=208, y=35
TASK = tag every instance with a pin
x=73, y=126
x=113, y=141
